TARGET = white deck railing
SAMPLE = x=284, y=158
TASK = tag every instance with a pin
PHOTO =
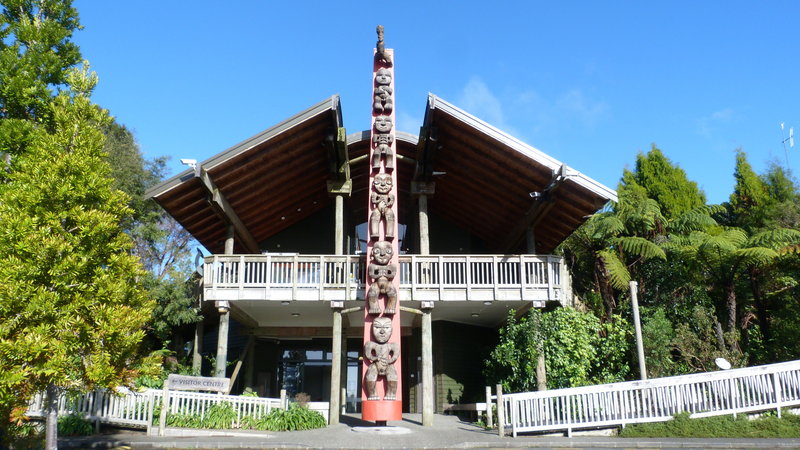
x=734, y=391
x=331, y=277
x=135, y=409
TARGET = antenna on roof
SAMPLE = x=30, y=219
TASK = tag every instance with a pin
x=790, y=140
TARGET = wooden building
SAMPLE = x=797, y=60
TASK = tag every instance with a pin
x=283, y=215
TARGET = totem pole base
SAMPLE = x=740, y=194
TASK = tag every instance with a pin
x=382, y=410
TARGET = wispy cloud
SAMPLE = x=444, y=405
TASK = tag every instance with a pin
x=706, y=125
x=477, y=99
x=408, y=123
x=576, y=105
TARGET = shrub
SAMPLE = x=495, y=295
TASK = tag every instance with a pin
x=295, y=418
x=74, y=425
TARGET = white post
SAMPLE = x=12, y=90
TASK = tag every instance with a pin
x=638, y=329
x=162, y=419
x=501, y=413
x=489, y=416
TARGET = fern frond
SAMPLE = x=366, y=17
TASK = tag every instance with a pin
x=617, y=271
x=697, y=219
x=775, y=239
x=755, y=256
x=640, y=247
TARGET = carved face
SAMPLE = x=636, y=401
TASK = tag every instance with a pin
x=382, y=252
x=382, y=183
x=383, y=77
x=383, y=124
x=382, y=329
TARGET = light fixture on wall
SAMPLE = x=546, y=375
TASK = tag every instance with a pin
x=285, y=302
x=487, y=302
x=475, y=315
x=295, y=314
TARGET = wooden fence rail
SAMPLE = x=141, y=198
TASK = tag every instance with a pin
x=135, y=409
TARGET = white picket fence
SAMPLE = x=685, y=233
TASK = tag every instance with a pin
x=135, y=409
x=735, y=391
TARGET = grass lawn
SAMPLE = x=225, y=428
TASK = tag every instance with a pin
x=768, y=426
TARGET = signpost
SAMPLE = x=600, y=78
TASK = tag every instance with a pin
x=188, y=383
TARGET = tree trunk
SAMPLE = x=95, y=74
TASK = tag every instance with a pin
x=761, y=304
x=51, y=427
x=730, y=306
x=606, y=291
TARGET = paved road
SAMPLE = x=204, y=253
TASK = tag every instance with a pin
x=447, y=432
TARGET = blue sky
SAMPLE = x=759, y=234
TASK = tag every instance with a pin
x=589, y=83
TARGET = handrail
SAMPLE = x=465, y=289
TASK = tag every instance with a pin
x=135, y=409
x=514, y=277
x=704, y=394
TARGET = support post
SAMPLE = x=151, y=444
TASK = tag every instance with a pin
x=501, y=413
x=336, y=365
x=162, y=418
x=339, y=226
x=427, y=366
x=224, y=318
x=530, y=239
x=222, y=340
x=424, y=236
x=489, y=415
x=638, y=329
x=197, y=350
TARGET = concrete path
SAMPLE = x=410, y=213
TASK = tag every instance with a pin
x=447, y=432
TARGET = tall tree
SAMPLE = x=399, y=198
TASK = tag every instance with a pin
x=35, y=53
x=161, y=244
x=664, y=182
x=72, y=306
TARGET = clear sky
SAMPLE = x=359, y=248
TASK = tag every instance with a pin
x=590, y=83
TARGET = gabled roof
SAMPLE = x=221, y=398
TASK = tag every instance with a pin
x=495, y=185
x=484, y=180
x=271, y=180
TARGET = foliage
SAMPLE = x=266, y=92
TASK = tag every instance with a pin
x=726, y=427
x=657, y=336
x=161, y=244
x=36, y=53
x=579, y=350
x=664, y=182
x=74, y=425
x=701, y=340
x=72, y=306
x=295, y=418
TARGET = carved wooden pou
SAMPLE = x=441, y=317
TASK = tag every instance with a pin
x=381, y=397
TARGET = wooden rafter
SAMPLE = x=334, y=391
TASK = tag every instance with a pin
x=224, y=209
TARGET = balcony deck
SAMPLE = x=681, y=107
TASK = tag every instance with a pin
x=274, y=277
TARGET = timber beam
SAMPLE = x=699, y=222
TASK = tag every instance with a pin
x=338, y=158
x=224, y=209
x=543, y=202
x=427, y=146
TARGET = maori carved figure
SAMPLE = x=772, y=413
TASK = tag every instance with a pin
x=383, y=92
x=382, y=274
x=383, y=143
x=382, y=201
x=380, y=54
x=382, y=354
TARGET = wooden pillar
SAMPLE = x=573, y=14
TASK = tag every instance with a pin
x=250, y=363
x=334, y=409
x=197, y=351
x=339, y=226
x=224, y=318
x=530, y=239
x=424, y=236
x=427, y=366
